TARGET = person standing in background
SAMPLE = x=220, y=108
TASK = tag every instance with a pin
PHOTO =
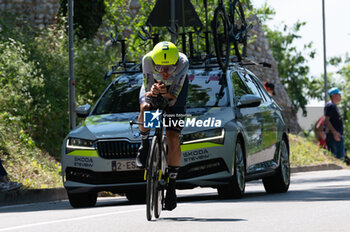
x=334, y=124
x=319, y=133
x=270, y=88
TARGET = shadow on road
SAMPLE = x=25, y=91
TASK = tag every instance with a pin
x=333, y=193
x=336, y=190
x=192, y=219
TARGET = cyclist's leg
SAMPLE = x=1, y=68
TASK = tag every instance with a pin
x=174, y=150
x=170, y=198
x=144, y=132
x=177, y=111
x=173, y=160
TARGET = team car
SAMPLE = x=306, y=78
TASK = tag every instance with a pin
x=234, y=132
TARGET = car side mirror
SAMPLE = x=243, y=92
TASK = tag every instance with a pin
x=83, y=111
x=249, y=100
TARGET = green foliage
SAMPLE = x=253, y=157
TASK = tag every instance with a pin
x=91, y=64
x=316, y=85
x=33, y=77
x=19, y=79
x=118, y=20
x=264, y=13
x=87, y=16
x=292, y=63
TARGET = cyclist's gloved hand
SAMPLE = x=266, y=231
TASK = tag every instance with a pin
x=155, y=90
x=162, y=88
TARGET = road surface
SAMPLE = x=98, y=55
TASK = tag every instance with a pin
x=316, y=201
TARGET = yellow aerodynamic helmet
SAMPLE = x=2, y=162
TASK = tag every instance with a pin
x=165, y=53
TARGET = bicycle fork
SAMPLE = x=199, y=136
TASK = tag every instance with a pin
x=242, y=33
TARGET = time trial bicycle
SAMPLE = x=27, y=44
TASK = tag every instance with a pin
x=156, y=174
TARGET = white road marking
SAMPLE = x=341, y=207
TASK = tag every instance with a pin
x=68, y=219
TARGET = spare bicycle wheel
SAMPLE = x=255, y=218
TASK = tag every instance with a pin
x=240, y=29
x=220, y=36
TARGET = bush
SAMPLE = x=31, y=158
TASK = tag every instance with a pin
x=34, y=80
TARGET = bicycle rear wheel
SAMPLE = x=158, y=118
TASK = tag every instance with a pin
x=220, y=35
x=153, y=194
x=240, y=29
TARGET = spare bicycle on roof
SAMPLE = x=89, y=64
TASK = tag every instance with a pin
x=227, y=31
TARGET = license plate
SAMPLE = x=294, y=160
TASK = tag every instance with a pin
x=126, y=165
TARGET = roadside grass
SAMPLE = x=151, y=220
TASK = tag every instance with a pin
x=305, y=152
x=24, y=162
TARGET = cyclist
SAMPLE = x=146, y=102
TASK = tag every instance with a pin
x=164, y=72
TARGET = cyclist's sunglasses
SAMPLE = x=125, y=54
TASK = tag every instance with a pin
x=165, y=68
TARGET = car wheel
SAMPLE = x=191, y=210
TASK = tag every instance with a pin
x=137, y=196
x=279, y=182
x=236, y=187
x=81, y=200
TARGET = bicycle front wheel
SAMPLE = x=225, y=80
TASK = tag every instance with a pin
x=240, y=29
x=220, y=35
x=152, y=178
x=160, y=183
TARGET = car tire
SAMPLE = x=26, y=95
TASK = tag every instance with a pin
x=235, y=189
x=82, y=200
x=279, y=182
x=137, y=196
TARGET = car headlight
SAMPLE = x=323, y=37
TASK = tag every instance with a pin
x=79, y=144
x=214, y=136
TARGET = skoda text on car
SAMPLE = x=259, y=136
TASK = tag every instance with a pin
x=234, y=132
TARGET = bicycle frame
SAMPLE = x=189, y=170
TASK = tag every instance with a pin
x=161, y=141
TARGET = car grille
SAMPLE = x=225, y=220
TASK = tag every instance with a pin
x=98, y=178
x=117, y=149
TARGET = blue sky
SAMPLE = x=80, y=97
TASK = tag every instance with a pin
x=310, y=11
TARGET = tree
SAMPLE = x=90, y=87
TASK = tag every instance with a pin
x=87, y=16
x=292, y=63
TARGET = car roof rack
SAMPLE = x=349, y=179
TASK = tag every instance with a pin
x=252, y=61
x=210, y=62
x=129, y=68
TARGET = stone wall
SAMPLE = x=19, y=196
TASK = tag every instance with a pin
x=260, y=51
x=39, y=13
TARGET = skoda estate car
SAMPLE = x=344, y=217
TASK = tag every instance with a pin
x=234, y=132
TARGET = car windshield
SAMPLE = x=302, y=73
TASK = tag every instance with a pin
x=122, y=96
x=207, y=90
